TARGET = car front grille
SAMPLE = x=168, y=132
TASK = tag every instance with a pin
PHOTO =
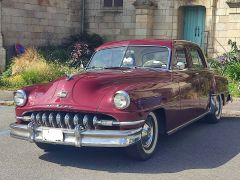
x=66, y=120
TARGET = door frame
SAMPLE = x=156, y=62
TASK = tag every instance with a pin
x=181, y=16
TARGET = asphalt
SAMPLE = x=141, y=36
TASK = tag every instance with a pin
x=200, y=151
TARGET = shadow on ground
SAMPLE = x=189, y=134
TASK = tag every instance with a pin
x=199, y=146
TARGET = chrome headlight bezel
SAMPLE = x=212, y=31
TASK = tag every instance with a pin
x=20, y=97
x=121, y=95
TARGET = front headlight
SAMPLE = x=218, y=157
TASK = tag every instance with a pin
x=20, y=98
x=121, y=100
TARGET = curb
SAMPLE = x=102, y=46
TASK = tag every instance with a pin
x=7, y=103
x=231, y=113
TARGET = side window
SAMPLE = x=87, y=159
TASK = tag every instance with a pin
x=180, y=60
x=196, y=59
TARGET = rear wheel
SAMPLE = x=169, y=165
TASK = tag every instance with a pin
x=146, y=147
x=216, y=105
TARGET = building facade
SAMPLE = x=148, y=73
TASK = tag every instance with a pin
x=209, y=23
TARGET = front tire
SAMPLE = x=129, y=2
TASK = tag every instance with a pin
x=216, y=105
x=145, y=148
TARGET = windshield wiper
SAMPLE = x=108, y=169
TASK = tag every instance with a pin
x=117, y=67
x=93, y=67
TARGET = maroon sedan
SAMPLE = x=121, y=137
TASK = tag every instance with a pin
x=130, y=93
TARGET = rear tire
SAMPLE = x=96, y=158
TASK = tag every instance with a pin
x=216, y=105
x=145, y=148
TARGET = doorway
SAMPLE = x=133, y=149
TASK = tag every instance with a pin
x=194, y=24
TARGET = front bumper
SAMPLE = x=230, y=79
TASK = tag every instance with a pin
x=78, y=137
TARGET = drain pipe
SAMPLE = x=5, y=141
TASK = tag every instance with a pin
x=213, y=28
x=83, y=16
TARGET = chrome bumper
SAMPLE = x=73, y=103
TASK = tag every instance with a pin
x=77, y=137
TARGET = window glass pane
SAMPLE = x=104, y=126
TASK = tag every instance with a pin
x=140, y=56
x=196, y=59
x=108, y=58
x=108, y=3
x=118, y=3
x=154, y=57
x=180, y=56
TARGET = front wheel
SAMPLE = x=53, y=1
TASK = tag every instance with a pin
x=216, y=105
x=146, y=147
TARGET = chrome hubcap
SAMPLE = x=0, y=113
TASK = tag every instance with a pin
x=147, y=133
x=217, y=107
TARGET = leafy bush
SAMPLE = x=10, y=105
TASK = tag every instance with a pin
x=75, y=52
x=93, y=40
x=32, y=68
x=228, y=65
x=50, y=62
x=55, y=53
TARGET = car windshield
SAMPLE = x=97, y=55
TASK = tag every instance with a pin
x=131, y=56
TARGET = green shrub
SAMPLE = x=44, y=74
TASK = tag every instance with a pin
x=93, y=40
x=234, y=89
x=233, y=71
x=55, y=53
x=228, y=65
x=32, y=68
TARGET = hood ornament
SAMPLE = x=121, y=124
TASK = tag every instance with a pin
x=69, y=77
x=62, y=94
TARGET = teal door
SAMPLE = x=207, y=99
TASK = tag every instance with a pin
x=194, y=24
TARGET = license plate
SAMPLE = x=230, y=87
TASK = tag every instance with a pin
x=52, y=135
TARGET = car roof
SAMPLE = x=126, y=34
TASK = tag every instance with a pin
x=144, y=42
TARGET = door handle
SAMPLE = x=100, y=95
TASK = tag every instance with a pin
x=198, y=31
x=195, y=31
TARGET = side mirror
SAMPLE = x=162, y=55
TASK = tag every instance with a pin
x=180, y=66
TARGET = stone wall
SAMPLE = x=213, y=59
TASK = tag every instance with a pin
x=39, y=22
x=227, y=26
x=164, y=21
x=113, y=23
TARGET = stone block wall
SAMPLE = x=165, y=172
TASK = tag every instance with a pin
x=164, y=22
x=39, y=22
x=113, y=23
x=227, y=26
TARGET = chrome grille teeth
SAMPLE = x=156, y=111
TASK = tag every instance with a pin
x=66, y=120
x=33, y=118
x=77, y=120
x=39, y=118
x=52, y=120
x=45, y=119
x=85, y=121
x=69, y=121
x=60, y=120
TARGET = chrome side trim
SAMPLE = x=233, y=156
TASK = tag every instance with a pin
x=102, y=122
x=186, y=124
x=24, y=118
x=131, y=123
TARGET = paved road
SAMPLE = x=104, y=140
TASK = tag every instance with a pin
x=200, y=151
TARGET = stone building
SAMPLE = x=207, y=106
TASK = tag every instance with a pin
x=210, y=23
x=37, y=23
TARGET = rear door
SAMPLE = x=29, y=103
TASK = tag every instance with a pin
x=188, y=83
x=204, y=76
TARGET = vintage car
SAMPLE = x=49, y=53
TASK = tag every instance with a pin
x=130, y=93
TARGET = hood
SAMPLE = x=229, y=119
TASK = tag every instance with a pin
x=87, y=89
